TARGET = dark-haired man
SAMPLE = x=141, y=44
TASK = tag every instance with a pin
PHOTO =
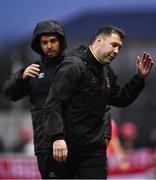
x=83, y=85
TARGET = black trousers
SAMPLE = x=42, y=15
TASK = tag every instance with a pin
x=79, y=166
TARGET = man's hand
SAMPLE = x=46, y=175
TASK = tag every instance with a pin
x=31, y=71
x=144, y=64
x=60, y=150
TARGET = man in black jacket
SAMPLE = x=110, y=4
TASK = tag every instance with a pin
x=83, y=85
x=35, y=79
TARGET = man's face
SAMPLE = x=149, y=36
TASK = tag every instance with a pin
x=108, y=47
x=50, y=45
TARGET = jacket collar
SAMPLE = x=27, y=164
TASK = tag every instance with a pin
x=93, y=59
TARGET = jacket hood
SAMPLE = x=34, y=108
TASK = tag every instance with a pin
x=79, y=52
x=46, y=27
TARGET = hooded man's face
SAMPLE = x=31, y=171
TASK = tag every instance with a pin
x=50, y=45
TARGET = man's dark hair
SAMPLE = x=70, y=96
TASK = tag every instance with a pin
x=108, y=30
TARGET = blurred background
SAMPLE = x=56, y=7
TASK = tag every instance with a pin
x=80, y=18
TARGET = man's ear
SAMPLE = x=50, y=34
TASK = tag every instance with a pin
x=99, y=39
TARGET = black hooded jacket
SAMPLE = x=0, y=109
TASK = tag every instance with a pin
x=81, y=90
x=37, y=88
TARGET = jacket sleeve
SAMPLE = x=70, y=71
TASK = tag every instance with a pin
x=63, y=85
x=107, y=123
x=15, y=87
x=122, y=97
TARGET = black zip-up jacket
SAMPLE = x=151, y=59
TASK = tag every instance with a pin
x=37, y=88
x=80, y=91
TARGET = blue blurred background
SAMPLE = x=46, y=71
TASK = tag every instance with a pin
x=80, y=18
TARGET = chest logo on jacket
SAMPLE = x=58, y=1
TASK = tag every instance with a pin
x=41, y=75
x=93, y=80
x=107, y=82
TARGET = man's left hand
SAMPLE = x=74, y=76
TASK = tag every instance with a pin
x=144, y=65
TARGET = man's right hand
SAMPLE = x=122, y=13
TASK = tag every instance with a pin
x=31, y=71
x=60, y=150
